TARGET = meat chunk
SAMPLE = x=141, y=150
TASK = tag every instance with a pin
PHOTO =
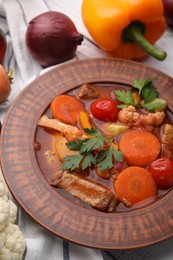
x=167, y=141
x=131, y=117
x=69, y=131
x=96, y=195
x=167, y=134
x=88, y=91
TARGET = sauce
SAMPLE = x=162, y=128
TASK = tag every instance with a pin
x=46, y=139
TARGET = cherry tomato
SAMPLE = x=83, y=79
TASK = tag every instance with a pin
x=162, y=171
x=105, y=109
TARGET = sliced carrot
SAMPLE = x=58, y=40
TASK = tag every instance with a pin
x=135, y=184
x=66, y=109
x=139, y=147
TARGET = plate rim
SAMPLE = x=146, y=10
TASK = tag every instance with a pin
x=15, y=104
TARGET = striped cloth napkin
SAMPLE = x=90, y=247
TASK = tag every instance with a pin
x=42, y=245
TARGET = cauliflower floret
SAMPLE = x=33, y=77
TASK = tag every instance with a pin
x=131, y=117
x=2, y=189
x=3, y=192
x=8, y=212
x=4, y=213
x=13, y=243
x=13, y=211
x=1, y=243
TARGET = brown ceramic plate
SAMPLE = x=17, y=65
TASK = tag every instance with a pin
x=87, y=227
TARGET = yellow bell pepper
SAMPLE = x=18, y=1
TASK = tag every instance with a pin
x=125, y=28
x=84, y=120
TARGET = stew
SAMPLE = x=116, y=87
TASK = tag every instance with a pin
x=104, y=153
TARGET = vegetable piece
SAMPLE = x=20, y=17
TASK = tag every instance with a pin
x=3, y=46
x=116, y=129
x=129, y=116
x=96, y=195
x=119, y=166
x=135, y=184
x=105, y=109
x=97, y=150
x=158, y=104
x=106, y=174
x=168, y=11
x=3, y=192
x=84, y=120
x=162, y=172
x=61, y=148
x=125, y=29
x=52, y=38
x=66, y=109
x=136, y=98
x=4, y=216
x=12, y=242
x=139, y=147
x=5, y=84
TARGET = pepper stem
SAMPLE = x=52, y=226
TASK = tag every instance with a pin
x=135, y=33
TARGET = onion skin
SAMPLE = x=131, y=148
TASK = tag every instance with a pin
x=5, y=84
x=168, y=11
x=52, y=38
x=3, y=46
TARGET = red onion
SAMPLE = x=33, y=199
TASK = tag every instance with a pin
x=3, y=46
x=52, y=38
x=120, y=166
x=168, y=11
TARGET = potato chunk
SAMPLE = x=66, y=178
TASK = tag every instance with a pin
x=60, y=147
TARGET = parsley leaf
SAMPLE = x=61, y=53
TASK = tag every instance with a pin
x=151, y=107
x=91, y=145
x=125, y=97
x=118, y=156
x=149, y=93
x=146, y=90
x=140, y=85
x=88, y=161
x=72, y=162
x=92, y=151
x=105, y=158
x=94, y=132
x=74, y=145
